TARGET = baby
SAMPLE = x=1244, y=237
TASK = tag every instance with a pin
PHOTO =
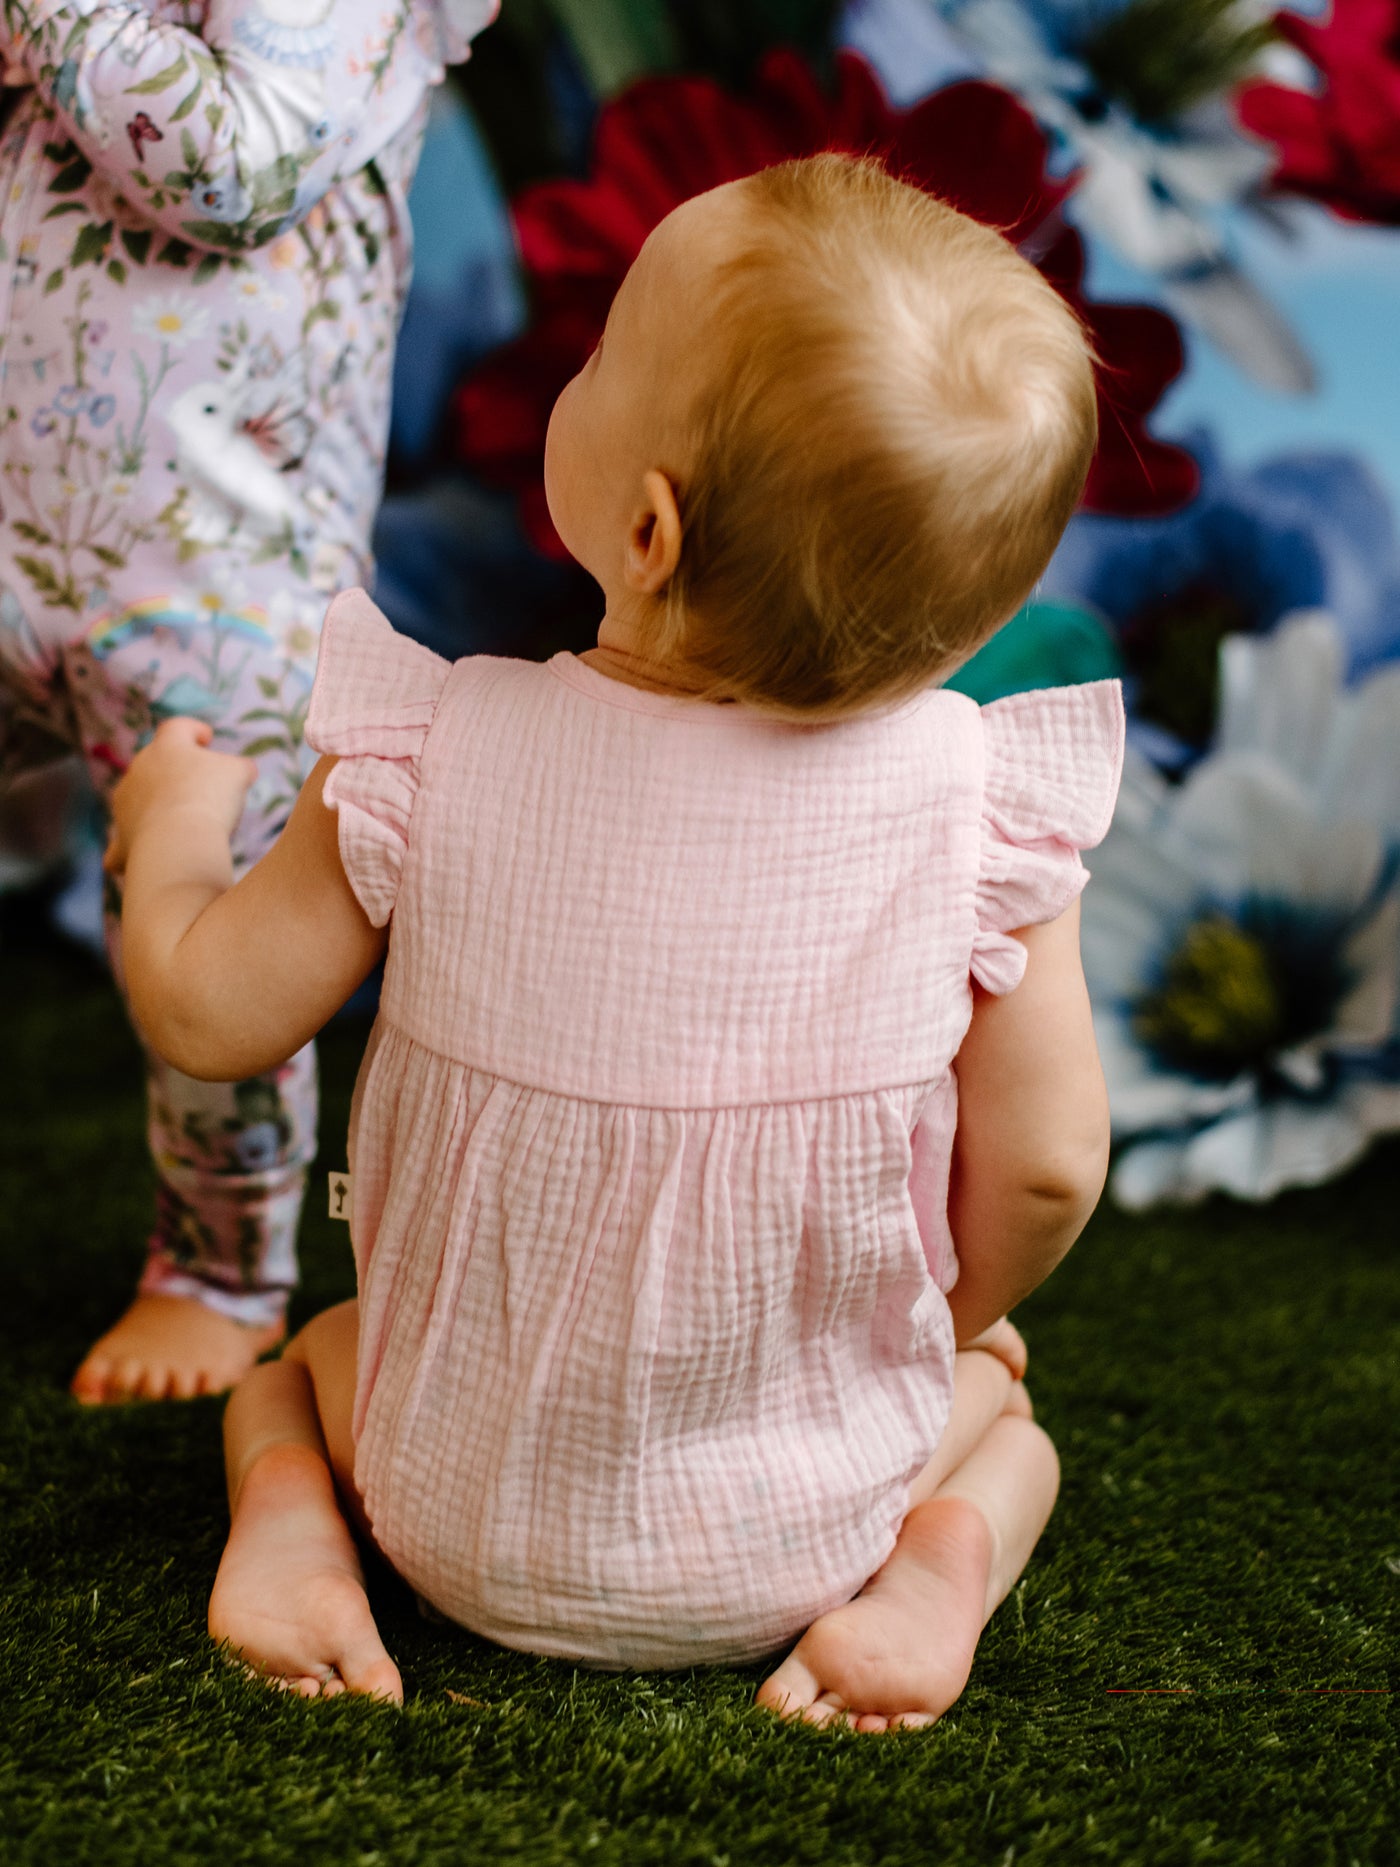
x=204, y=246
x=702, y=1143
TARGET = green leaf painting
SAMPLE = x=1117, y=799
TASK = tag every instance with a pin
x=91, y=243
x=69, y=179
x=161, y=80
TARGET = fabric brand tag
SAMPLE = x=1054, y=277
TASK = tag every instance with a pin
x=340, y=1196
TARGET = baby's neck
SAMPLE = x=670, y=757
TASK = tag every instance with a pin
x=634, y=671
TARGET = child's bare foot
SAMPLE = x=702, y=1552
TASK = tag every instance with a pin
x=170, y=1348
x=289, y=1597
x=900, y=1653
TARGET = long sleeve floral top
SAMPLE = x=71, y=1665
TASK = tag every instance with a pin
x=203, y=253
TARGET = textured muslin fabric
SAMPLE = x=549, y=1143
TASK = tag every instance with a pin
x=650, y=1146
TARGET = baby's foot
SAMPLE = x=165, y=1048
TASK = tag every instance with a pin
x=289, y=1598
x=170, y=1348
x=901, y=1652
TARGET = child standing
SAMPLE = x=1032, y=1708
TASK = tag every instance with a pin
x=702, y=1142
x=204, y=249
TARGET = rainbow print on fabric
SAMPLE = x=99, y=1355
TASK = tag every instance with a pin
x=117, y=627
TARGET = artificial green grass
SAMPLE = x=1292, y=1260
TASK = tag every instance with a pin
x=1223, y=1386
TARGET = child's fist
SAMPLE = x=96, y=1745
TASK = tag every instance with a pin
x=177, y=773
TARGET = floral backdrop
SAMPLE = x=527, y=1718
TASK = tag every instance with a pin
x=1215, y=186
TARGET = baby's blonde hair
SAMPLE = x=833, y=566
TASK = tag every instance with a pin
x=896, y=428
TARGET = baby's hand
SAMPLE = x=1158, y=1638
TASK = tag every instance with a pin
x=1003, y=1340
x=177, y=773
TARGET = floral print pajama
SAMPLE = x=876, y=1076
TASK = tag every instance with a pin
x=203, y=253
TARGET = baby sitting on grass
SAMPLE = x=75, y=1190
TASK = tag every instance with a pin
x=702, y=1143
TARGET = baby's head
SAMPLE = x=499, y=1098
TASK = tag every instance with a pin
x=828, y=443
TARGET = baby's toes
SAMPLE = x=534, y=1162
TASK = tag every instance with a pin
x=845, y=1651
x=834, y=1673
x=184, y=1383
x=149, y=1380
x=106, y=1381
x=829, y=1709
x=346, y=1633
x=372, y=1673
x=793, y=1687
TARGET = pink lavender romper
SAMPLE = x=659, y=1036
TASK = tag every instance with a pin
x=204, y=247
x=650, y=1145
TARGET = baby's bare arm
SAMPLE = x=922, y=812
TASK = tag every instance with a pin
x=1031, y=1149
x=229, y=979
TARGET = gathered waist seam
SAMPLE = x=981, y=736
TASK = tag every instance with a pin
x=924, y=1084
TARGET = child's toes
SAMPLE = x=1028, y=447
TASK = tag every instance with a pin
x=89, y=1384
x=99, y=1381
x=126, y=1380
x=364, y=1664
x=184, y=1384
x=106, y=1379
x=790, y=1689
x=152, y=1380
x=375, y=1678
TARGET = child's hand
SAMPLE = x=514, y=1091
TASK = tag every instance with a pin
x=176, y=772
x=1003, y=1340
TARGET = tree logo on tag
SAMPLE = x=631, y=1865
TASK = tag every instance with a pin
x=340, y=1196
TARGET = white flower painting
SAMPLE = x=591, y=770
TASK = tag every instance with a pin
x=1242, y=934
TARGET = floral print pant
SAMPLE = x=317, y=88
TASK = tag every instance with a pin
x=204, y=248
x=139, y=579
x=230, y=1158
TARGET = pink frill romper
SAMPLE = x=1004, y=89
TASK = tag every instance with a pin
x=650, y=1145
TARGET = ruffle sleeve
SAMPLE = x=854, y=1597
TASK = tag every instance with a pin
x=373, y=702
x=1053, y=760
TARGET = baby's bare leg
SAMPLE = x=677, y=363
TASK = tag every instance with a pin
x=900, y=1653
x=290, y=1593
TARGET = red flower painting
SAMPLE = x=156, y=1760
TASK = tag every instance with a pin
x=1340, y=145
x=667, y=139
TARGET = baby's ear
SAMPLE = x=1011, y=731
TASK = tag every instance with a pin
x=654, y=537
